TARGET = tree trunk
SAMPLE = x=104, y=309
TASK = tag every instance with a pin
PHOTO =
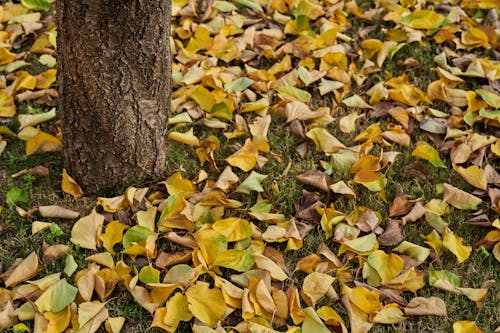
x=114, y=89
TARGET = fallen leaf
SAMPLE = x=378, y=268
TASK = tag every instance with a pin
x=85, y=231
x=421, y=306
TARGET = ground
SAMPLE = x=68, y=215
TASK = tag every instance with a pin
x=294, y=124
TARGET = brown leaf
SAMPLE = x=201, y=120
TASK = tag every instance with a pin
x=169, y=259
x=420, y=306
x=315, y=178
x=54, y=252
x=40, y=170
x=392, y=235
x=417, y=170
x=400, y=206
x=415, y=214
x=306, y=209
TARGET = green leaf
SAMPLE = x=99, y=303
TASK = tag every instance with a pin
x=252, y=183
x=36, y=4
x=295, y=93
x=225, y=6
x=239, y=84
x=239, y=260
x=250, y=4
x=70, y=265
x=136, y=235
x=149, y=274
x=16, y=195
x=62, y=295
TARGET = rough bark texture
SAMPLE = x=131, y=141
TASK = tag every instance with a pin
x=114, y=89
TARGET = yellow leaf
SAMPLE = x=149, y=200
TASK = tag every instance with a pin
x=315, y=286
x=373, y=181
x=206, y=304
x=6, y=56
x=347, y=124
x=387, y=266
x=458, y=198
x=211, y=244
x=427, y=152
x=234, y=228
x=466, y=326
x=103, y=258
x=238, y=260
x=177, y=311
x=177, y=184
x=58, y=321
x=330, y=316
x=415, y=251
x=114, y=324
x=187, y=138
x=87, y=312
x=204, y=98
x=70, y=186
x=269, y=265
x=489, y=97
x=474, y=37
x=27, y=269
x=364, y=299
x=325, y=142
x=46, y=79
x=112, y=205
x=312, y=322
x=454, y=244
x=389, y=314
x=42, y=142
x=113, y=235
x=362, y=245
x=423, y=19
x=473, y=175
x=85, y=231
x=246, y=157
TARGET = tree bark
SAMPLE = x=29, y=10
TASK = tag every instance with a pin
x=114, y=89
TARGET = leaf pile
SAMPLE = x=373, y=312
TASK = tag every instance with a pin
x=213, y=250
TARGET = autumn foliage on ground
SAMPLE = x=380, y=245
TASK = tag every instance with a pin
x=209, y=249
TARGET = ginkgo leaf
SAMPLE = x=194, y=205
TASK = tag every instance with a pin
x=373, y=181
x=420, y=306
x=205, y=303
x=387, y=266
x=177, y=184
x=454, y=244
x=85, y=231
x=458, y=198
x=113, y=235
x=233, y=228
x=356, y=101
x=7, y=105
x=246, y=157
x=238, y=260
x=42, y=142
x=70, y=186
x=27, y=269
x=389, y=314
x=473, y=175
x=427, y=152
x=466, y=326
x=324, y=141
x=362, y=245
x=252, y=183
x=187, y=138
x=312, y=322
x=114, y=324
x=315, y=286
